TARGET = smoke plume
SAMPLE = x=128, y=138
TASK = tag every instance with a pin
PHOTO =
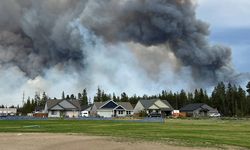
x=137, y=46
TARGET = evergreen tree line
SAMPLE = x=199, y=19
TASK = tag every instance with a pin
x=229, y=99
x=33, y=103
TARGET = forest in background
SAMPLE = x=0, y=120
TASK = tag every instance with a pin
x=229, y=99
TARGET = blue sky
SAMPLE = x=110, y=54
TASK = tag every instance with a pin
x=229, y=25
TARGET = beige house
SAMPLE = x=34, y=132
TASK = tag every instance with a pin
x=154, y=107
x=63, y=108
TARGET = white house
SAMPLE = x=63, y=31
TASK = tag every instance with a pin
x=8, y=111
x=111, y=109
x=63, y=108
x=154, y=107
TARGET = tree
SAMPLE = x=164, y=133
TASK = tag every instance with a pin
x=241, y=102
x=197, y=98
x=183, y=99
x=218, y=98
x=84, y=98
x=63, y=95
x=72, y=97
x=98, y=97
x=248, y=88
x=43, y=101
x=124, y=97
x=114, y=98
x=37, y=97
x=79, y=96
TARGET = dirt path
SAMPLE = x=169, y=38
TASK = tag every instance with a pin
x=44, y=141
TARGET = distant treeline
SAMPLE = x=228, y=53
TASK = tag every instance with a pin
x=230, y=100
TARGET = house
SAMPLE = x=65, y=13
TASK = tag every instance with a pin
x=154, y=107
x=85, y=110
x=8, y=111
x=63, y=108
x=111, y=109
x=199, y=110
x=39, y=112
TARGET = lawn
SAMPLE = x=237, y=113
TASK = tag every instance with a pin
x=181, y=132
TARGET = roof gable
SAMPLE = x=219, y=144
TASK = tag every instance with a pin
x=67, y=105
x=154, y=107
x=126, y=105
x=109, y=105
x=160, y=104
x=119, y=108
x=56, y=107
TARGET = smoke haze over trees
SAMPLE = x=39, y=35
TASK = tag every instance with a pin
x=137, y=46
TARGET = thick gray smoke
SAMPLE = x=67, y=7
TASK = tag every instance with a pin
x=136, y=46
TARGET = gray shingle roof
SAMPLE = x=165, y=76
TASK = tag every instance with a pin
x=147, y=103
x=52, y=103
x=126, y=105
x=195, y=106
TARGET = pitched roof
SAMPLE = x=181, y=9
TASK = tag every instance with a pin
x=126, y=105
x=86, y=107
x=194, y=106
x=147, y=103
x=52, y=103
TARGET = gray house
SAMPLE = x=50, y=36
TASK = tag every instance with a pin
x=63, y=108
x=199, y=110
x=154, y=107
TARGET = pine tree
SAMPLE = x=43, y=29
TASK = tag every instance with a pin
x=43, y=101
x=241, y=102
x=98, y=97
x=218, y=98
x=248, y=88
x=84, y=98
x=124, y=97
x=114, y=98
x=63, y=95
x=183, y=99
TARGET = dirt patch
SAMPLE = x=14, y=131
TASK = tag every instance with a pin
x=44, y=141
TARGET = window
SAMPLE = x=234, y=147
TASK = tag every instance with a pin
x=53, y=112
x=120, y=112
x=128, y=112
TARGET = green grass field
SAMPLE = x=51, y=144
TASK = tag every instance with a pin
x=180, y=132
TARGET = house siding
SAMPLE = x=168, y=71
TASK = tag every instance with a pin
x=138, y=108
x=72, y=114
x=161, y=104
x=105, y=113
x=55, y=115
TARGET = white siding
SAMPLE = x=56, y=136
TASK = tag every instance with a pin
x=153, y=107
x=72, y=114
x=139, y=107
x=55, y=115
x=124, y=113
x=105, y=113
x=161, y=104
